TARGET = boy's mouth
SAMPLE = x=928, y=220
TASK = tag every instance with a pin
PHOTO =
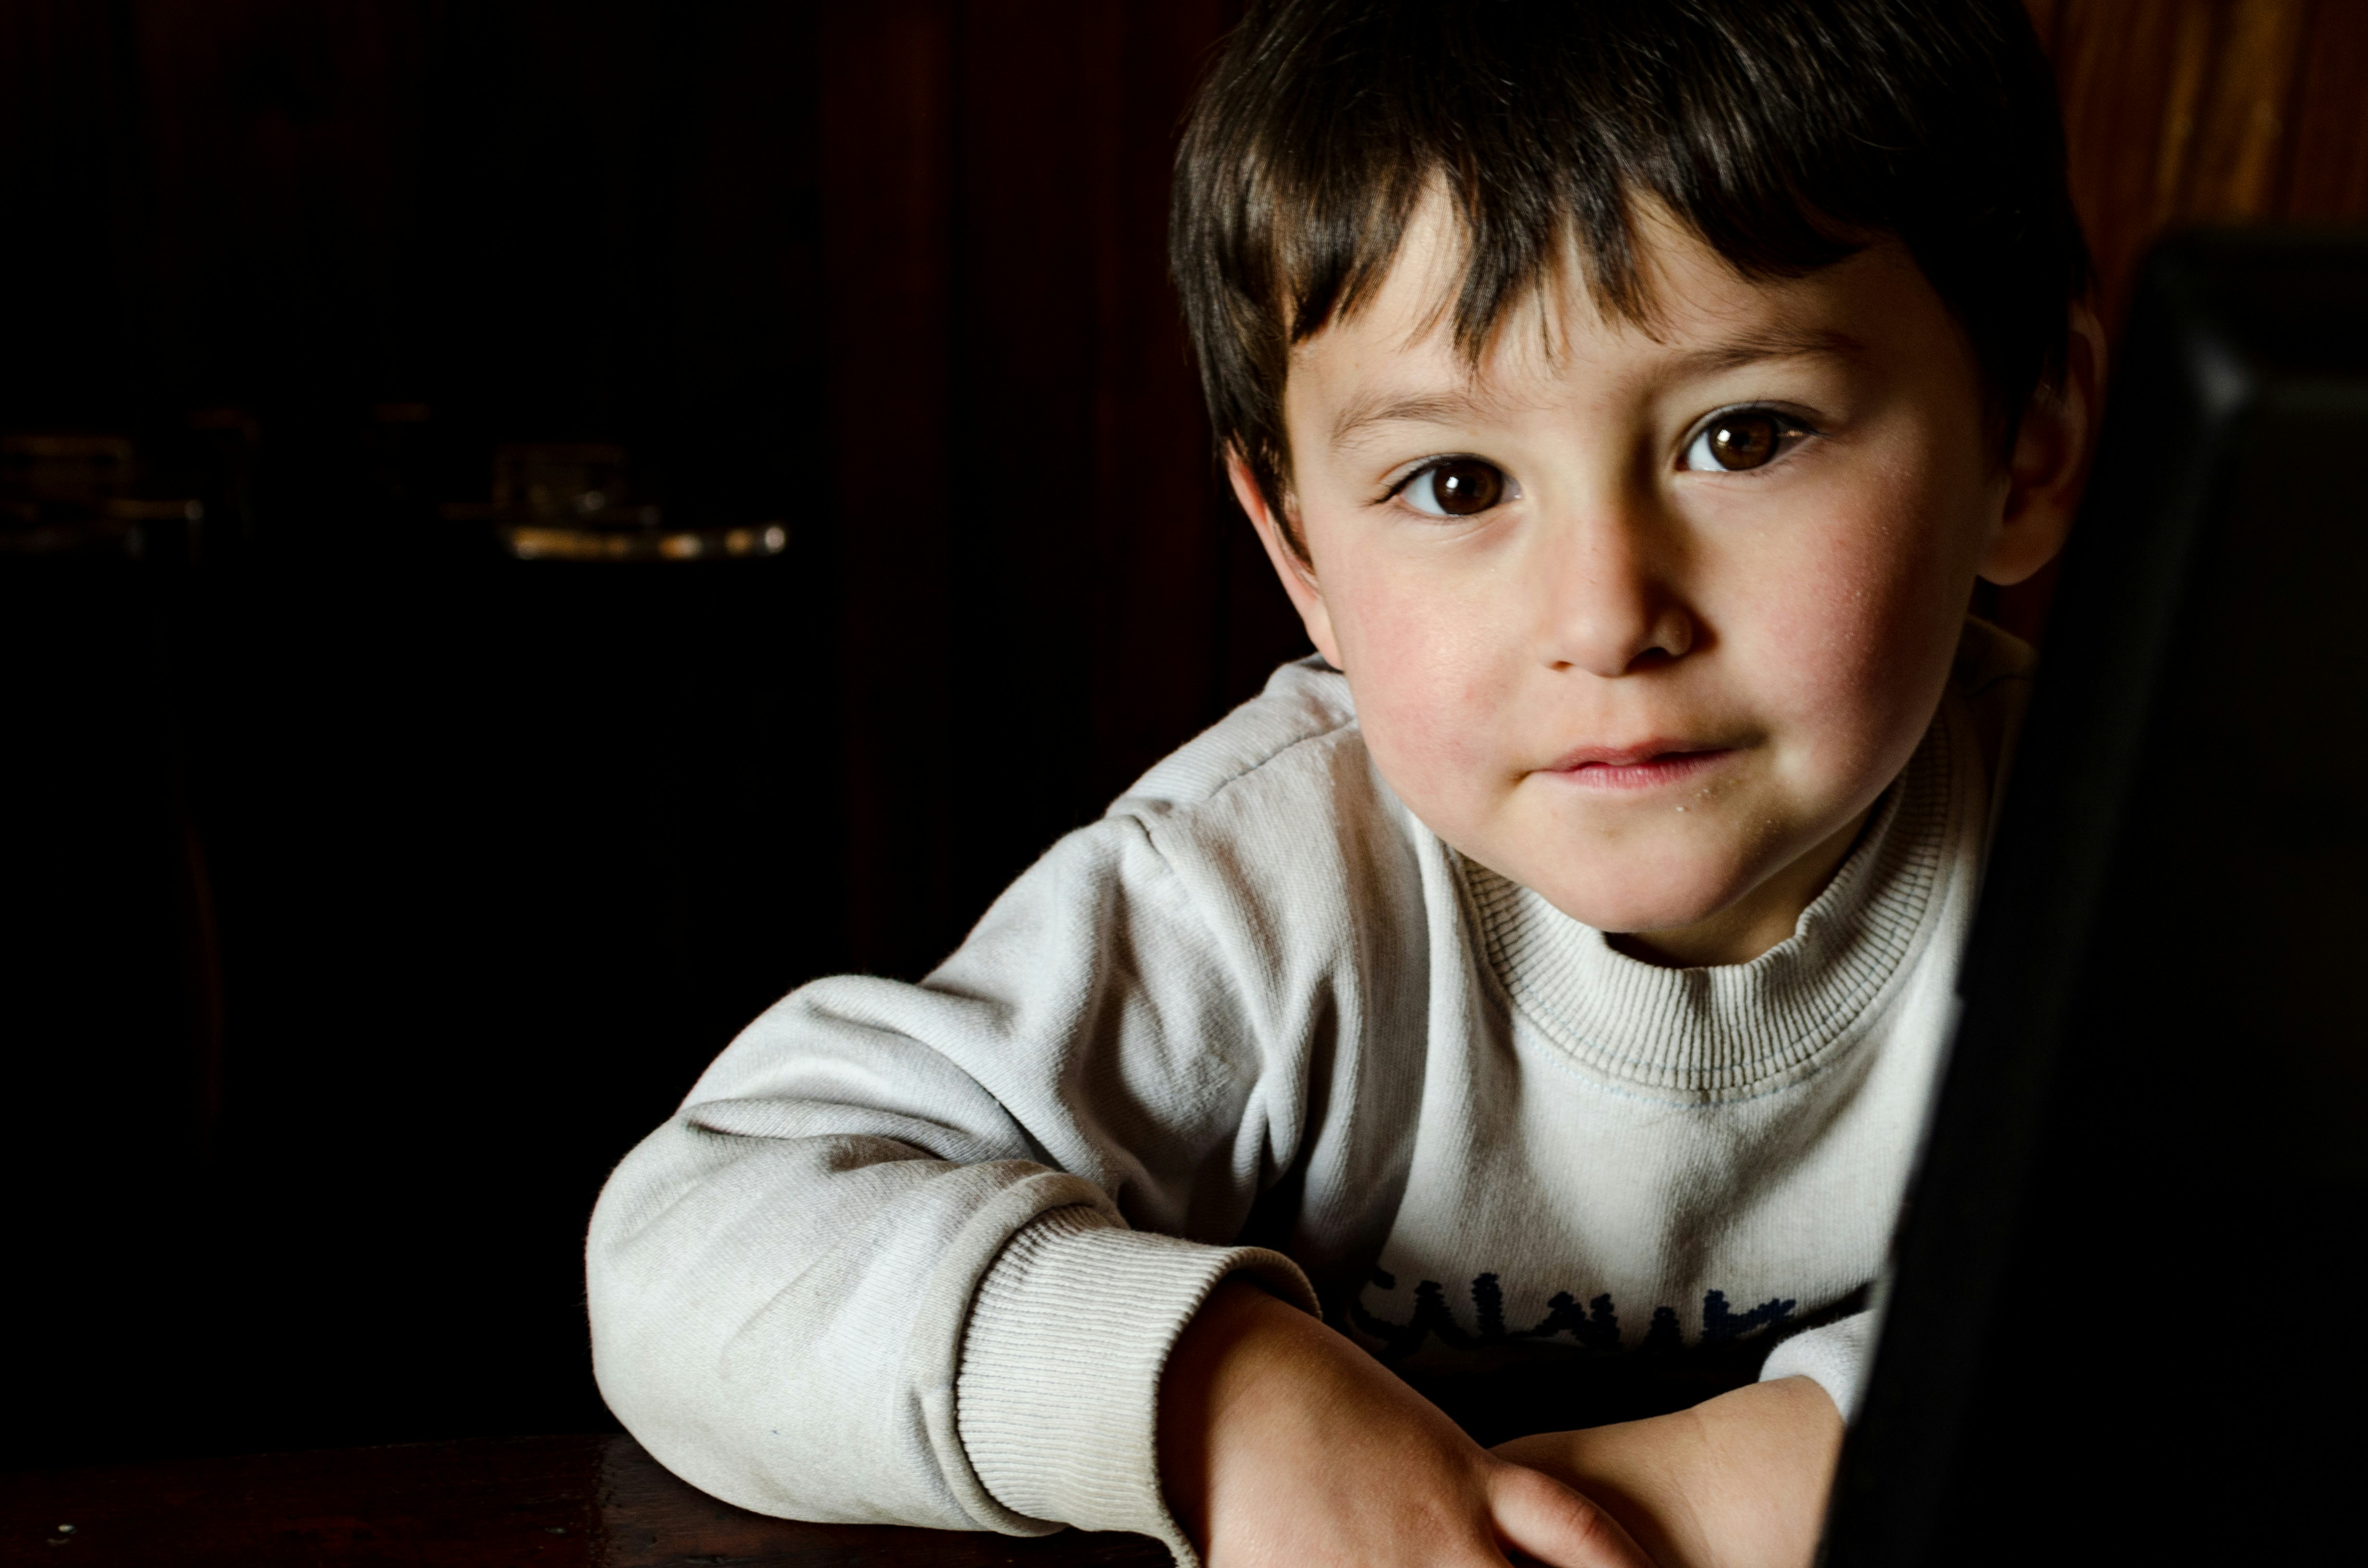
x=1651, y=765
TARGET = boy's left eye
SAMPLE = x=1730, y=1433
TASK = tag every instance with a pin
x=1735, y=439
x=1455, y=487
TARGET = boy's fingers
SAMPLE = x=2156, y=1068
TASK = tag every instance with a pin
x=1541, y=1519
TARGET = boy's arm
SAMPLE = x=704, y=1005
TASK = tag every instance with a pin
x=1737, y=1479
x=1282, y=1442
x=780, y=1279
x=1737, y=1482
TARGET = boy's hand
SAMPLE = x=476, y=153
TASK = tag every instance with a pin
x=1282, y=1443
x=1738, y=1481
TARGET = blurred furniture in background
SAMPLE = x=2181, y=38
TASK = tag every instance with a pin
x=570, y=501
x=81, y=495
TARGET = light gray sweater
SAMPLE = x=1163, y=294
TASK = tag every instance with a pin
x=917, y=1254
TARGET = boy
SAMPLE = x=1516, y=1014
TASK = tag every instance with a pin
x=1538, y=992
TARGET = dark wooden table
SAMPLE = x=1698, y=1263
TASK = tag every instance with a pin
x=583, y=1502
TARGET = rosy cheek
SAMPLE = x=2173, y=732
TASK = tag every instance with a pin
x=1426, y=694
x=1865, y=638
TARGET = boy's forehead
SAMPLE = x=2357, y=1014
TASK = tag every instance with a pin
x=1396, y=356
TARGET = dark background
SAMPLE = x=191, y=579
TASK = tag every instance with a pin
x=364, y=893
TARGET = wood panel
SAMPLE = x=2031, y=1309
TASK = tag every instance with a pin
x=2327, y=172
x=2180, y=112
x=1044, y=589
x=887, y=157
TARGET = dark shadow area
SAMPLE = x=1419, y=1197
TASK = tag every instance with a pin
x=525, y=533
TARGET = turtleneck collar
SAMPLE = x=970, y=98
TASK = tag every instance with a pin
x=1736, y=1030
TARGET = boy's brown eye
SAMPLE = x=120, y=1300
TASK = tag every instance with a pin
x=1745, y=438
x=1457, y=488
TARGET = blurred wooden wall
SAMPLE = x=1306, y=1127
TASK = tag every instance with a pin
x=540, y=840
x=2180, y=112
x=2206, y=111
x=1044, y=590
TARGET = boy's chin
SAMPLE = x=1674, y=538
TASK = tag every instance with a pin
x=1706, y=910
x=1708, y=891
x=1643, y=910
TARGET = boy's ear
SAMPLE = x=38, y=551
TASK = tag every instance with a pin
x=1298, y=576
x=2050, y=458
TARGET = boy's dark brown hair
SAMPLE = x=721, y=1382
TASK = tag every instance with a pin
x=1789, y=133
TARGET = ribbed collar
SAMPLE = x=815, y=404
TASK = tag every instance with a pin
x=1734, y=1030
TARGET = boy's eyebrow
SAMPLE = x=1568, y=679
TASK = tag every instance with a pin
x=1361, y=414
x=1775, y=343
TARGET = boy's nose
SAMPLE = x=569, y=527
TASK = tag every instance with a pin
x=1610, y=610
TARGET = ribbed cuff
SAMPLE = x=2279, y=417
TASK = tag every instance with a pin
x=1834, y=1357
x=1058, y=1397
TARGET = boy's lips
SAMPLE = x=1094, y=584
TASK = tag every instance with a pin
x=1649, y=764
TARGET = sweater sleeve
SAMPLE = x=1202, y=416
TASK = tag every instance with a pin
x=1058, y=1398
x=917, y=1254
x=1834, y=1357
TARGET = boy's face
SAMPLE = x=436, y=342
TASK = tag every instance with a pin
x=1647, y=622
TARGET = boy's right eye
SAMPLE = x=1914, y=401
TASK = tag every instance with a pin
x=1455, y=487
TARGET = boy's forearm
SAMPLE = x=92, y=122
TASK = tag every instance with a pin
x=1737, y=1482
x=1212, y=1359
x=1283, y=1442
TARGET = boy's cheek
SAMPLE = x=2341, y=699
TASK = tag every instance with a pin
x=1428, y=737
x=1437, y=730
x=1857, y=636
x=1429, y=677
